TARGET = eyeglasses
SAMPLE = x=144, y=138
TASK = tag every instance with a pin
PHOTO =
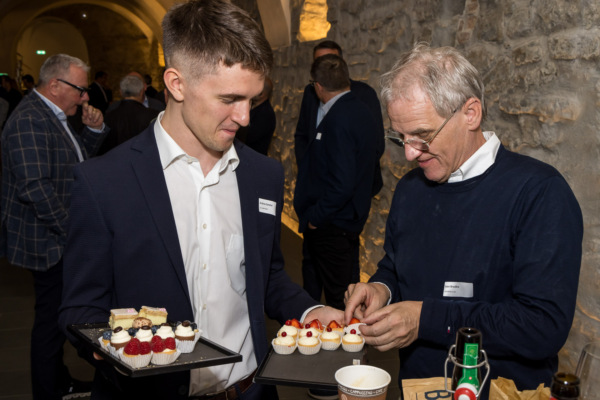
x=418, y=144
x=82, y=90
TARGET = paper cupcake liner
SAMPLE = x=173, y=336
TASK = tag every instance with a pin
x=349, y=328
x=104, y=346
x=283, y=349
x=330, y=345
x=187, y=346
x=309, y=351
x=165, y=358
x=114, y=352
x=353, y=348
x=136, y=361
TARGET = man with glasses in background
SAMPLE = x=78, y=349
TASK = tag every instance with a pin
x=477, y=236
x=39, y=150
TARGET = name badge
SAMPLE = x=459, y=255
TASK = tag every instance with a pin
x=266, y=206
x=458, y=289
x=318, y=136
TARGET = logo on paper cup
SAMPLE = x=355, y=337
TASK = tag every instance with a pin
x=362, y=382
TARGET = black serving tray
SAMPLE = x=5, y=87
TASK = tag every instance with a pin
x=316, y=371
x=205, y=354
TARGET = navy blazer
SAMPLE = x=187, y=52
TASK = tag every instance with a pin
x=123, y=249
x=38, y=157
x=336, y=174
x=306, y=128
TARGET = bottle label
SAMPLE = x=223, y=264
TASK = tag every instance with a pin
x=469, y=375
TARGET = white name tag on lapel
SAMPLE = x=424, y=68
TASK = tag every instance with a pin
x=318, y=136
x=458, y=289
x=266, y=206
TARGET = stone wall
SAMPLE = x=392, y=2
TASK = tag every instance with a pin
x=539, y=60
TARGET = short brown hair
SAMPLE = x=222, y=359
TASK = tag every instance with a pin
x=201, y=34
x=331, y=72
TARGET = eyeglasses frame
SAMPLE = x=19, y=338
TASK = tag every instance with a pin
x=401, y=142
x=82, y=90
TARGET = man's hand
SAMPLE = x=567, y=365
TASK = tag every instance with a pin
x=393, y=326
x=325, y=315
x=91, y=117
x=362, y=299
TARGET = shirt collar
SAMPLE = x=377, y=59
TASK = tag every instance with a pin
x=327, y=106
x=60, y=114
x=480, y=161
x=169, y=151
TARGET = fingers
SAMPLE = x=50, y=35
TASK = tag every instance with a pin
x=98, y=356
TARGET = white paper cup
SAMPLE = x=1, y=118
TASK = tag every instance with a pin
x=362, y=382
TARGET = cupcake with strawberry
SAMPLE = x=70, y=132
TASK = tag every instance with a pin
x=330, y=339
x=352, y=341
x=136, y=354
x=354, y=324
x=335, y=327
x=314, y=327
x=291, y=328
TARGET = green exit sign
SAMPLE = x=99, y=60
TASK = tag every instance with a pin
x=40, y=52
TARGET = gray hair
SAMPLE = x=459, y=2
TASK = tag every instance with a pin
x=57, y=66
x=131, y=86
x=444, y=74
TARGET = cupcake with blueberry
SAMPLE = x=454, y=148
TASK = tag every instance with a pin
x=186, y=336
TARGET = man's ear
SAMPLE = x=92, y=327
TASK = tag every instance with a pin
x=174, y=83
x=473, y=113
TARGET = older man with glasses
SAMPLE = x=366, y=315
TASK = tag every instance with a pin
x=39, y=150
x=477, y=236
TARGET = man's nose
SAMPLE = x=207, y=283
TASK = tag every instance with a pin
x=411, y=153
x=241, y=113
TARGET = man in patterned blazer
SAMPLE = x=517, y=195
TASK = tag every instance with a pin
x=39, y=150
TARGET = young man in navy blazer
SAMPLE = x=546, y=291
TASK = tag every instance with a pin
x=192, y=223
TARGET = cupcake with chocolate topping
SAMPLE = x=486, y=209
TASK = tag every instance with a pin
x=186, y=337
x=165, y=331
x=118, y=339
x=144, y=334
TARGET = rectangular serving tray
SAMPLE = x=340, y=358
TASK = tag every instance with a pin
x=315, y=372
x=205, y=354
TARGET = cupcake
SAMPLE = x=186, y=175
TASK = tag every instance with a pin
x=164, y=351
x=165, y=331
x=186, y=337
x=313, y=331
x=309, y=344
x=136, y=354
x=335, y=327
x=330, y=340
x=118, y=339
x=105, y=339
x=353, y=342
x=284, y=344
x=290, y=331
x=144, y=334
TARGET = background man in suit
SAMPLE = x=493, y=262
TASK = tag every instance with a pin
x=335, y=177
x=130, y=117
x=39, y=151
x=99, y=92
x=306, y=132
x=148, y=102
x=259, y=132
x=193, y=222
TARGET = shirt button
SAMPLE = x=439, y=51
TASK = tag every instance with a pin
x=204, y=266
x=204, y=306
x=204, y=226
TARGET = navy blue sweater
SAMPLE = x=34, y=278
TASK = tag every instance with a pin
x=515, y=233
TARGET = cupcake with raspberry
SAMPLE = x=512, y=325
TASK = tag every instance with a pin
x=353, y=342
x=330, y=339
x=164, y=351
x=313, y=331
x=136, y=354
x=284, y=344
x=309, y=344
x=186, y=336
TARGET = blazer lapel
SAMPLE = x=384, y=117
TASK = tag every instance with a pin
x=148, y=170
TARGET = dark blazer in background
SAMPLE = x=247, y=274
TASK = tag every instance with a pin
x=128, y=119
x=123, y=248
x=335, y=175
x=307, y=123
x=99, y=97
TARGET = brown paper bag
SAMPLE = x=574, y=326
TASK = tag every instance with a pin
x=428, y=388
x=505, y=389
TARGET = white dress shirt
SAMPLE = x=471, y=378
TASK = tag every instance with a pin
x=209, y=226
